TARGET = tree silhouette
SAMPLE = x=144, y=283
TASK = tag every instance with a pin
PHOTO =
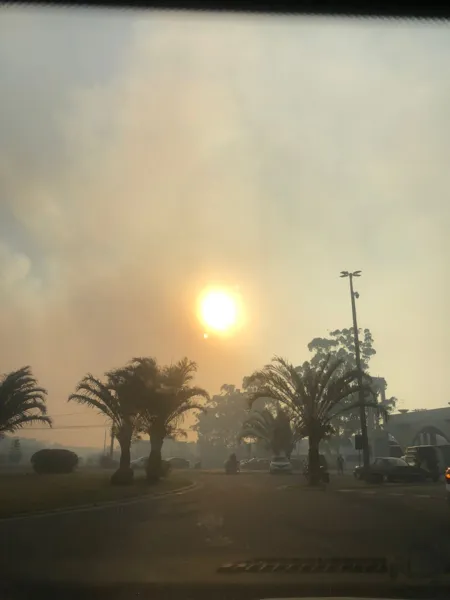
x=312, y=398
x=22, y=401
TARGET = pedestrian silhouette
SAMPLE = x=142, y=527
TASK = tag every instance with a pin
x=340, y=464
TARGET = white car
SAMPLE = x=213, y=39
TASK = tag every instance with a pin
x=139, y=463
x=280, y=464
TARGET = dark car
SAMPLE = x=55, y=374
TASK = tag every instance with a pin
x=256, y=464
x=249, y=464
x=178, y=463
x=323, y=462
x=297, y=463
x=432, y=459
x=302, y=464
x=263, y=464
x=390, y=469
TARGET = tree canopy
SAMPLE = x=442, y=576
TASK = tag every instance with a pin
x=340, y=344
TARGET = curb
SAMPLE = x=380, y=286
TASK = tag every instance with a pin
x=100, y=505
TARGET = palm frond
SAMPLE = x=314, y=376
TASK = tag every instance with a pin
x=91, y=391
x=367, y=404
x=166, y=395
x=181, y=373
x=174, y=433
x=22, y=400
x=327, y=371
x=21, y=420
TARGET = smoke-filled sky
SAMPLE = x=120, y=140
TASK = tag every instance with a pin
x=144, y=156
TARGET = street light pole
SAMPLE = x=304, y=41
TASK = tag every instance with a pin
x=362, y=409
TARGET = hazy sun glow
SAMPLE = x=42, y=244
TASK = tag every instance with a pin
x=218, y=310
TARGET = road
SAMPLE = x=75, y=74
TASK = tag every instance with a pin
x=186, y=537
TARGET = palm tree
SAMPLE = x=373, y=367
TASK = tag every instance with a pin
x=22, y=401
x=117, y=400
x=259, y=426
x=274, y=432
x=168, y=396
x=312, y=396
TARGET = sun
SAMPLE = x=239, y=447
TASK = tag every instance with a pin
x=218, y=310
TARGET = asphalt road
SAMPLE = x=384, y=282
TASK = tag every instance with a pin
x=185, y=537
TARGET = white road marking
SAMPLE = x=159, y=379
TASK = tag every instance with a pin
x=384, y=493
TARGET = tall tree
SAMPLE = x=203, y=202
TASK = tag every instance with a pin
x=166, y=398
x=116, y=398
x=379, y=386
x=340, y=344
x=313, y=397
x=22, y=401
x=219, y=427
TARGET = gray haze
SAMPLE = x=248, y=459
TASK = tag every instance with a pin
x=144, y=156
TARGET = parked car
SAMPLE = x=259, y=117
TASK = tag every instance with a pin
x=139, y=463
x=447, y=484
x=178, y=463
x=263, y=464
x=280, y=464
x=322, y=460
x=432, y=459
x=324, y=476
x=390, y=469
x=255, y=464
x=247, y=464
x=165, y=468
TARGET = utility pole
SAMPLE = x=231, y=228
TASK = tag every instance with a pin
x=111, y=447
x=362, y=408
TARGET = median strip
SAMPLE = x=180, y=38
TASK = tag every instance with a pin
x=29, y=495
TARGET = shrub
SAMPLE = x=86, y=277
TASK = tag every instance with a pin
x=54, y=461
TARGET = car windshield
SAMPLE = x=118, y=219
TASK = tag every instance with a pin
x=224, y=244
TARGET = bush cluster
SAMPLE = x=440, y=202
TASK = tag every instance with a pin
x=54, y=461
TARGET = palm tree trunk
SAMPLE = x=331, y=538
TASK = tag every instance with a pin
x=314, y=460
x=124, y=474
x=125, y=455
x=154, y=460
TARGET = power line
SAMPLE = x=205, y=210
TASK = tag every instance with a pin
x=67, y=414
x=70, y=427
